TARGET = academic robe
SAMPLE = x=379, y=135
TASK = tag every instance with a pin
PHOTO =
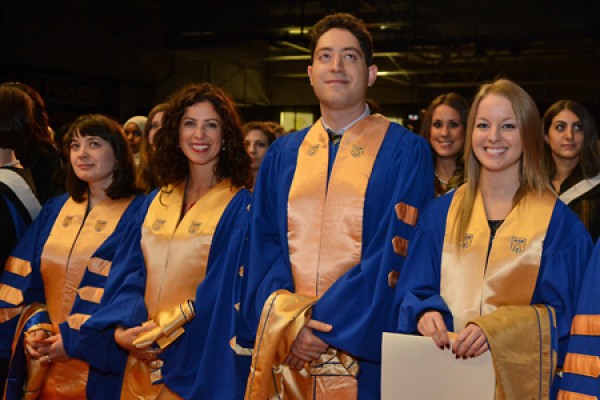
x=357, y=305
x=27, y=275
x=580, y=377
x=589, y=199
x=566, y=247
x=15, y=217
x=200, y=363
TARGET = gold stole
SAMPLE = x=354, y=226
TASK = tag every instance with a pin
x=282, y=318
x=330, y=217
x=36, y=369
x=520, y=339
x=325, y=225
x=72, y=242
x=176, y=256
x=470, y=286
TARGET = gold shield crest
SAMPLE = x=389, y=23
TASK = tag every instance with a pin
x=466, y=243
x=100, y=225
x=517, y=244
x=194, y=227
x=312, y=150
x=67, y=221
x=357, y=150
x=158, y=224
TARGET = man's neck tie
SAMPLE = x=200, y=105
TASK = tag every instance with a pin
x=334, y=137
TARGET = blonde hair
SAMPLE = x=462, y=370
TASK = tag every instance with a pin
x=532, y=178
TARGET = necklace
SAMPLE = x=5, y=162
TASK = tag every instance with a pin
x=11, y=164
x=443, y=182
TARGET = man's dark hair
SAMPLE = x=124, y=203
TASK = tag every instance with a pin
x=347, y=22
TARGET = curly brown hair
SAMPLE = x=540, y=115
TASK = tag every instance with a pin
x=268, y=128
x=171, y=164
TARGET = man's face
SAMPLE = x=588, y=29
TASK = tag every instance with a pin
x=339, y=74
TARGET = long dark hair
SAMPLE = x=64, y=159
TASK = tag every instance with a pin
x=123, y=182
x=16, y=117
x=458, y=103
x=171, y=165
x=589, y=159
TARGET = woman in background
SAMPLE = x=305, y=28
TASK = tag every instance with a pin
x=134, y=127
x=64, y=259
x=38, y=151
x=145, y=180
x=572, y=159
x=18, y=202
x=443, y=127
x=258, y=136
x=508, y=255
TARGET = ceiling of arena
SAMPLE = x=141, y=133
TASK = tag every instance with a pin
x=422, y=46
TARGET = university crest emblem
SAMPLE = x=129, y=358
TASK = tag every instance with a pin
x=517, y=244
x=100, y=225
x=357, y=150
x=312, y=150
x=194, y=227
x=158, y=224
x=466, y=243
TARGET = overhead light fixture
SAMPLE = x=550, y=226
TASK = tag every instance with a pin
x=297, y=30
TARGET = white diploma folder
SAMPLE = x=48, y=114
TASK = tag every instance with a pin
x=414, y=368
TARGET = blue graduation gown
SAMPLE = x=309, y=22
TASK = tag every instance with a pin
x=566, y=249
x=200, y=363
x=586, y=345
x=30, y=248
x=358, y=304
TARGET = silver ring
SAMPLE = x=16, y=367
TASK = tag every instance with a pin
x=48, y=358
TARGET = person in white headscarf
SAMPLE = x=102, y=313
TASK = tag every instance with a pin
x=134, y=127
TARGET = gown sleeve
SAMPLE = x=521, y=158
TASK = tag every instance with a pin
x=21, y=282
x=419, y=284
x=584, y=345
x=122, y=303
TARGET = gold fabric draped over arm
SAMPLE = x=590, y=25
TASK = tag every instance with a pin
x=283, y=316
x=520, y=339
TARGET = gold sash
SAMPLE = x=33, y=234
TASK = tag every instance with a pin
x=176, y=252
x=283, y=316
x=330, y=216
x=325, y=226
x=520, y=339
x=469, y=285
x=72, y=242
x=176, y=256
